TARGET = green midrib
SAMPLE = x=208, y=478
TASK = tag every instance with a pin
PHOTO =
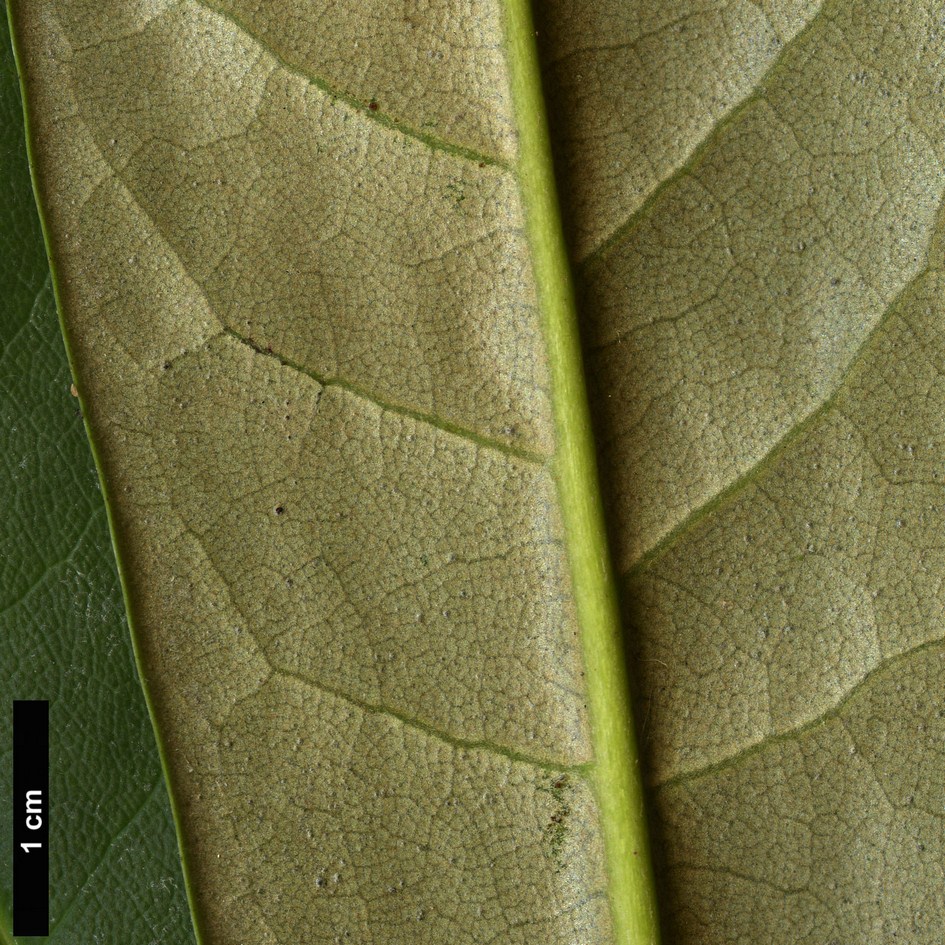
x=616, y=770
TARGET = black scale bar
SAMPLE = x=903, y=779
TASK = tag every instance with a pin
x=31, y=817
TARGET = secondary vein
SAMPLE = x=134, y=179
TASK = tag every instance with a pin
x=619, y=234
x=758, y=468
x=367, y=109
x=499, y=446
x=797, y=731
x=431, y=731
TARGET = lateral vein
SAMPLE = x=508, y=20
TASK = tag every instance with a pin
x=791, y=734
x=367, y=109
x=486, y=442
x=725, y=496
x=621, y=232
x=430, y=731
x=420, y=416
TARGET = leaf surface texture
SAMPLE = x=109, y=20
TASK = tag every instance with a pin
x=293, y=259
x=318, y=385
x=763, y=323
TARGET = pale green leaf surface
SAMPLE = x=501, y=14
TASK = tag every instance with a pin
x=764, y=332
x=303, y=307
x=430, y=68
x=115, y=871
x=637, y=86
x=317, y=380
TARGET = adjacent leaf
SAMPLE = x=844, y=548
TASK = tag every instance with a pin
x=764, y=315
x=114, y=868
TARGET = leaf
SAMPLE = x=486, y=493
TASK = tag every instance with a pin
x=308, y=331
x=63, y=635
x=764, y=333
x=313, y=274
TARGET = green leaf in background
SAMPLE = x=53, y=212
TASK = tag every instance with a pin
x=115, y=871
x=314, y=280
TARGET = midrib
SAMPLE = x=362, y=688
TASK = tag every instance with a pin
x=616, y=769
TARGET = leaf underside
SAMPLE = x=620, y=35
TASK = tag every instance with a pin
x=290, y=249
x=764, y=312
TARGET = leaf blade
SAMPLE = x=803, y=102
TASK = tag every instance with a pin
x=760, y=337
x=220, y=416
